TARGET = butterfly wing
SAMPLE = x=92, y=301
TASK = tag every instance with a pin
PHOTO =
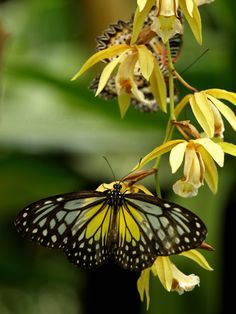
x=78, y=223
x=149, y=227
x=132, y=250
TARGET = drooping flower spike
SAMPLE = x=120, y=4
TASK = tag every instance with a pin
x=167, y=22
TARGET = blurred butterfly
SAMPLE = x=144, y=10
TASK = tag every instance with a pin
x=121, y=33
x=121, y=224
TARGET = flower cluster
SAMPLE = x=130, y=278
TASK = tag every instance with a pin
x=140, y=57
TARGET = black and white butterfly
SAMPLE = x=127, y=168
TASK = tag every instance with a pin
x=93, y=228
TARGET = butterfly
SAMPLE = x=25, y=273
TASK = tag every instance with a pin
x=121, y=33
x=121, y=224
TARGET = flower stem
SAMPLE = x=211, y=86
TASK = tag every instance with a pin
x=187, y=85
x=169, y=127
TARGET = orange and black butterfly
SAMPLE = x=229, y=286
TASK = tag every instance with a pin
x=121, y=224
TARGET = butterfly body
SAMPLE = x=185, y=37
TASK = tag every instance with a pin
x=94, y=227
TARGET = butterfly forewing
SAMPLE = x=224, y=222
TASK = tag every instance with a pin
x=71, y=222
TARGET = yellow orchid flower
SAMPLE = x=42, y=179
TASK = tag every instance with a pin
x=208, y=109
x=199, y=157
x=170, y=276
x=129, y=59
x=167, y=22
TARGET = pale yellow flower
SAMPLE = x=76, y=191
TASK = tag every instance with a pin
x=170, y=276
x=167, y=22
x=208, y=108
x=129, y=59
x=199, y=157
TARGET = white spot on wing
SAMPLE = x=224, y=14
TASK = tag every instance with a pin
x=54, y=238
x=166, y=205
x=47, y=202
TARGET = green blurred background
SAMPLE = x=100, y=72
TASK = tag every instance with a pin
x=53, y=134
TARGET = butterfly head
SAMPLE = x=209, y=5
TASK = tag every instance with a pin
x=117, y=186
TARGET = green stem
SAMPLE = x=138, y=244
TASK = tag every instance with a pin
x=169, y=127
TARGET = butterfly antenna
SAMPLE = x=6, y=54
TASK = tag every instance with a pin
x=195, y=61
x=109, y=165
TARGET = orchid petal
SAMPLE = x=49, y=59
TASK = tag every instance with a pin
x=203, y=112
x=160, y=150
x=194, y=20
x=184, y=189
x=213, y=149
x=139, y=19
x=143, y=286
x=177, y=156
x=228, y=148
x=100, y=55
x=158, y=86
x=211, y=174
x=106, y=73
x=225, y=111
x=222, y=94
x=124, y=103
x=162, y=268
x=146, y=62
x=183, y=282
x=198, y=258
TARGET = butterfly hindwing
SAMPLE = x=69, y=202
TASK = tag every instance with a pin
x=170, y=228
x=132, y=250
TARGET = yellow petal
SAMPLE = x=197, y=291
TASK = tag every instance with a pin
x=138, y=94
x=225, y=111
x=203, y=112
x=181, y=105
x=124, y=102
x=177, y=156
x=158, y=86
x=160, y=150
x=184, y=189
x=167, y=7
x=189, y=6
x=141, y=4
x=228, y=148
x=143, y=285
x=100, y=55
x=198, y=258
x=146, y=63
x=213, y=149
x=106, y=73
x=194, y=20
x=222, y=94
x=163, y=269
x=166, y=27
x=211, y=174
x=139, y=19
x=193, y=167
x=200, y=2
x=183, y=282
